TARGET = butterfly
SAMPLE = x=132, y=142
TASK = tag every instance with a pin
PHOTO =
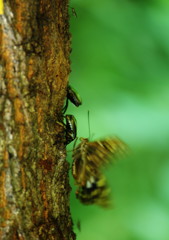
x=89, y=158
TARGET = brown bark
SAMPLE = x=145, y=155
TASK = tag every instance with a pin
x=34, y=69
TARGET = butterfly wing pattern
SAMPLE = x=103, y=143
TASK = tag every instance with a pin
x=88, y=160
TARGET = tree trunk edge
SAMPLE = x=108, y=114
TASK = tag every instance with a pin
x=34, y=182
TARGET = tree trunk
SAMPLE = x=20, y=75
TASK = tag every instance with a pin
x=34, y=69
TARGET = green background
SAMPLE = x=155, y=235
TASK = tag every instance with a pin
x=120, y=67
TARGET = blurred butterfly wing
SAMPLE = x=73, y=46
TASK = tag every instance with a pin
x=100, y=153
x=88, y=159
x=98, y=193
x=79, y=162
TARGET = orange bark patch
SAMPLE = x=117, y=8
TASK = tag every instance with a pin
x=21, y=137
x=6, y=156
x=31, y=67
x=7, y=55
x=7, y=214
x=21, y=14
x=19, y=117
x=23, y=178
x=2, y=190
x=44, y=198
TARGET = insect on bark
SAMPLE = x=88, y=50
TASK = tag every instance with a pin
x=73, y=96
x=71, y=128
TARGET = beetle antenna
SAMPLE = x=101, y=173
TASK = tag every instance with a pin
x=88, y=118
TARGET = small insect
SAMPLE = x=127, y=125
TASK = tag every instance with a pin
x=74, y=12
x=71, y=128
x=88, y=160
x=79, y=225
x=73, y=96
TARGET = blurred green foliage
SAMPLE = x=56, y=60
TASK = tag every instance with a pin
x=120, y=67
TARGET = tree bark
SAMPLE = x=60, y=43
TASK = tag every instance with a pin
x=34, y=69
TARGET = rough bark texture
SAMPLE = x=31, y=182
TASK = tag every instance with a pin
x=34, y=69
